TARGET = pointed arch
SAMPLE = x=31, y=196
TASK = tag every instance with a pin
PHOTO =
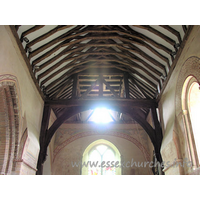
x=96, y=143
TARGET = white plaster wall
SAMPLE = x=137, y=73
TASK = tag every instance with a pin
x=11, y=62
x=167, y=102
x=73, y=151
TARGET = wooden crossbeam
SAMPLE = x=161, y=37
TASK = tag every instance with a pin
x=131, y=103
x=131, y=67
x=110, y=88
x=81, y=55
x=83, y=38
x=89, y=89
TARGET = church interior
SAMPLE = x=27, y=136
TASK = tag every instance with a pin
x=124, y=96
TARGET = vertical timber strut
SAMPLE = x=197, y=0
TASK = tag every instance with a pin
x=44, y=127
x=158, y=136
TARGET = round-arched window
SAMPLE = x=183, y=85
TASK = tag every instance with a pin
x=191, y=111
x=194, y=111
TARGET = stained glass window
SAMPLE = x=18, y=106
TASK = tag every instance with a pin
x=102, y=160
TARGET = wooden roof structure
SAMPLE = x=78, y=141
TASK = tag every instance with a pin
x=77, y=68
x=100, y=61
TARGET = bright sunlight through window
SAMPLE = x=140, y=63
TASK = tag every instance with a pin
x=101, y=115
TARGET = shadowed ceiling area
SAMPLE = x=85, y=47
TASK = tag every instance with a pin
x=100, y=61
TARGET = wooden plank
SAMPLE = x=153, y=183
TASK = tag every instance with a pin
x=74, y=89
x=54, y=41
x=156, y=32
x=129, y=66
x=173, y=31
x=137, y=59
x=139, y=88
x=89, y=89
x=92, y=102
x=184, y=28
x=60, y=90
x=126, y=86
x=46, y=35
x=135, y=93
x=79, y=39
x=175, y=61
x=149, y=40
x=110, y=88
x=43, y=130
x=31, y=30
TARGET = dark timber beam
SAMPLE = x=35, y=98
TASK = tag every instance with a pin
x=69, y=112
x=126, y=86
x=110, y=88
x=132, y=103
x=44, y=128
x=89, y=89
x=159, y=34
x=46, y=35
x=62, y=88
x=33, y=29
x=74, y=89
x=173, y=31
x=158, y=136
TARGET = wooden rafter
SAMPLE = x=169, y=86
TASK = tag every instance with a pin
x=57, y=56
x=62, y=88
x=46, y=35
x=173, y=31
x=159, y=34
x=31, y=30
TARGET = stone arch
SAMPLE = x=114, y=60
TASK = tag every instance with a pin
x=10, y=113
x=190, y=70
x=119, y=134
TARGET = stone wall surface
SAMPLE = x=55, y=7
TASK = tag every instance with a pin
x=30, y=104
x=174, y=145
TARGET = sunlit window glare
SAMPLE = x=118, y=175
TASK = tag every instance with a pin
x=194, y=108
x=101, y=115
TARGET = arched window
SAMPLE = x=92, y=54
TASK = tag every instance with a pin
x=191, y=110
x=101, y=158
